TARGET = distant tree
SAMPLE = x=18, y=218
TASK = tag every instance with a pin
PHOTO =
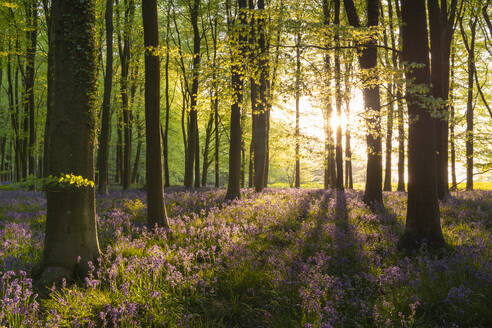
x=442, y=23
x=193, y=155
x=372, y=103
x=422, y=221
x=156, y=211
x=470, y=49
x=338, y=99
x=71, y=233
x=103, y=152
x=238, y=41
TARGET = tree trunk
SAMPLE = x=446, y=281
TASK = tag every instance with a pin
x=451, y=128
x=368, y=60
x=217, y=140
x=156, y=211
x=103, y=153
x=70, y=244
x=260, y=145
x=297, y=179
x=136, y=163
x=338, y=100
x=206, y=147
x=237, y=54
x=422, y=221
x=470, y=48
x=329, y=162
x=125, y=52
x=31, y=35
x=192, y=123
x=441, y=24
x=349, y=183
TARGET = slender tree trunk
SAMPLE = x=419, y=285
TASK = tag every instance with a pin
x=165, y=136
x=192, y=123
x=31, y=35
x=156, y=211
x=368, y=60
x=338, y=101
x=297, y=179
x=330, y=162
x=136, y=163
x=451, y=128
x=260, y=145
x=197, y=155
x=348, y=151
x=125, y=56
x=441, y=23
x=237, y=54
x=423, y=221
x=70, y=244
x=103, y=153
x=217, y=139
x=206, y=147
x=470, y=48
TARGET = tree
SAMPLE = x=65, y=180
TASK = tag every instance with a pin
x=442, y=22
x=193, y=155
x=368, y=61
x=71, y=243
x=237, y=56
x=156, y=211
x=422, y=221
x=470, y=49
x=338, y=99
x=261, y=107
x=103, y=153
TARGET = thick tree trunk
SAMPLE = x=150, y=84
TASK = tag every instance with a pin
x=103, y=153
x=237, y=77
x=70, y=244
x=423, y=221
x=349, y=183
x=156, y=211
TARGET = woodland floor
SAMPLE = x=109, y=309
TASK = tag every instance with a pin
x=283, y=258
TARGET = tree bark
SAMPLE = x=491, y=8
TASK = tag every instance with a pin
x=70, y=244
x=297, y=179
x=261, y=125
x=103, y=152
x=441, y=25
x=330, y=175
x=368, y=60
x=192, y=123
x=31, y=35
x=349, y=183
x=470, y=48
x=422, y=221
x=338, y=100
x=237, y=56
x=451, y=127
x=156, y=211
